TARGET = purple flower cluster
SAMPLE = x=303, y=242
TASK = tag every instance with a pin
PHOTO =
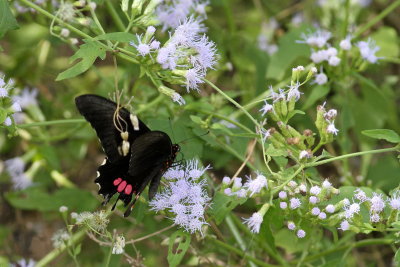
x=185, y=197
x=15, y=168
x=172, y=13
x=234, y=186
x=188, y=53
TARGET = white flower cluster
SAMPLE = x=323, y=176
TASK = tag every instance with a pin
x=60, y=238
x=185, y=197
x=234, y=187
x=15, y=168
x=96, y=221
x=323, y=51
x=265, y=36
x=188, y=53
x=172, y=13
x=119, y=245
x=295, y=198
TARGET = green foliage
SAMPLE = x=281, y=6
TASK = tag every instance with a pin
x=88, y=52
x=7, y=20
x=385, y=134
x=179, y=243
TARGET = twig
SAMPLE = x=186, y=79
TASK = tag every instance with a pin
x=149, y=235
x=250, y=150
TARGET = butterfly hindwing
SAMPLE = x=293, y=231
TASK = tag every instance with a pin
x=150, y=154
x=99, y=112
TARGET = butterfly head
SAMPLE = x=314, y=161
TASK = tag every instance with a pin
x=175, y=149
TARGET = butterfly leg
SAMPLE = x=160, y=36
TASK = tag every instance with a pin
x=130, y=207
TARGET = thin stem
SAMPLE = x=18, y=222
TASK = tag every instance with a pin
x=232, y=101
x=237, y=236
x=56, y=252
x=240, y=253
x=278, y=188
x=378, y=18
x=250, y=150
x=313, y=164
x=47, y=123
x=150, y=235
x=126, y=54
x=118, y=21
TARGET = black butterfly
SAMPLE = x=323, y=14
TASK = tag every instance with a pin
x=135, y=155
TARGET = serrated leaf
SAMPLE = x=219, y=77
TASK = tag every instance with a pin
x=7, y=20
x=386, y=134
x=222, y=205
x=88, y=52
x=176, y=253
x=124, y=37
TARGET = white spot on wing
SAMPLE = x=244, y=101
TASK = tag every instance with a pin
x=99, y=187
x=98, y=174
x=135, y=122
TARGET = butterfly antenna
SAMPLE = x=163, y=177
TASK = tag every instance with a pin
x=130, y=207
x=194, y=137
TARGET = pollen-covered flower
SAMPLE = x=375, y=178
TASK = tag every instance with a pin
x=330, y=208
x=318, y=38
x=255, y=186
x=368, y=50
x=360, y=195
x=315, y=211
x=332, y=129
x=119, y=245
x=26, y=98
x=15, y=168
x=24, y=263
x=321, y=78
x=377, y=203
x=171, y=13
x=60, y=238
x=350, y=210
x=291, y=226
x=394, y=201
x=344, y=225
x=66, y=11
x=315, y=190
x=254, y=222
x=345, y=44
x=185, y=197
x=301, y=233
x=266, y=108
x=295, y=203
x=294, y=92
x=97, y=220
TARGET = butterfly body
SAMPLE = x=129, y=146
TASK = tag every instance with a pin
x=135, y=155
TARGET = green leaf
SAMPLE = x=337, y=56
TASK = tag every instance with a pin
x=386, y=134
x=222, y=205
x=176, y=253
x=288, y=52
x=397, y=258
x=88, y=52
x=124, y=37
x=196, y=119
x=7, y=20
x=292, y=113
x=34, y=198
x=386, y=38
x=317, y=93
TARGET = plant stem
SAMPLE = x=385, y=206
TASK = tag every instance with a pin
x=79, y=32
x=232, y=101
x=118, y=21
x=313, y=164
x=240, y=253
x=56, y=252
x=378, y=18
x=47, y=123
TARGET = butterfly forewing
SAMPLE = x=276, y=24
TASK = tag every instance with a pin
x=99, y=112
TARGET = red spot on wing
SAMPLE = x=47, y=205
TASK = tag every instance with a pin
x=121, y=186
x=117, y=181
x=128, y=189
